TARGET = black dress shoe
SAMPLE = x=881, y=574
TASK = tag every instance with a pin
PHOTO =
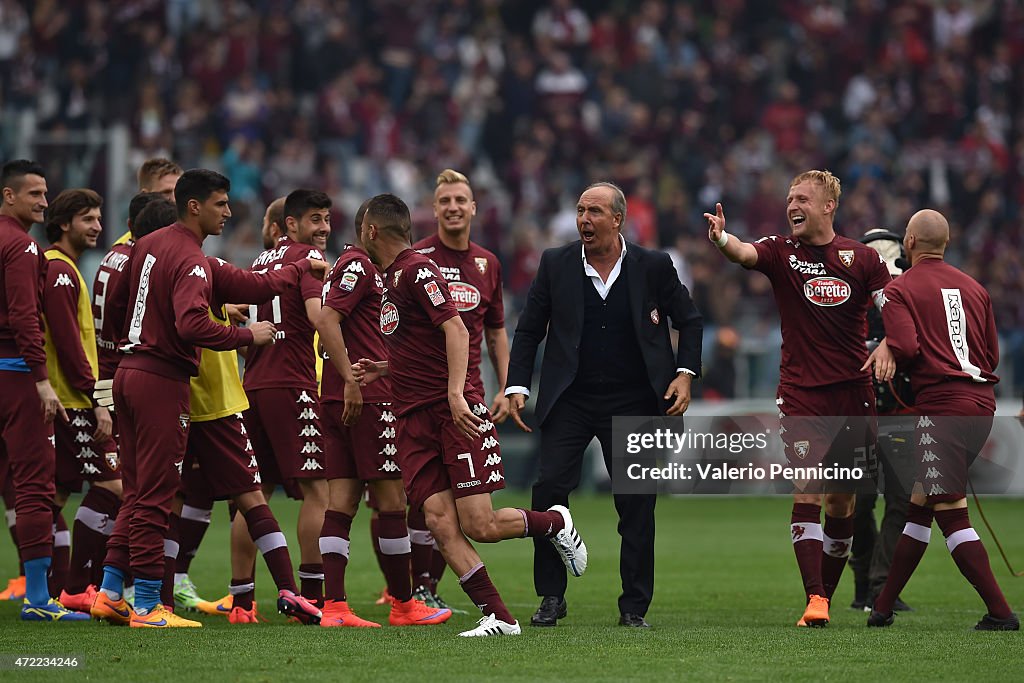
x=552, y=608
x=900, y=606
x=634, y=620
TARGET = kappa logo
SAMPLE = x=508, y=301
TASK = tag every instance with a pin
x=304, y=398
x=355, y=267
x=308, y=414
x=241, y=426
x=310, y=465
x=489, y=442
x=310, y=447
x=178, y=466
x=183, y=420
x=256, y=479
x=932, y=473
x=798, y=532
x=252, y=462
x=248, y=445
x=936, y=490
x=479, y=409
x=309, y=430
x=388, y=466
x=492, y=460
x=929, y=456
x=846, y=256
x=495, y=477
x=389, y=450
x=387, y=416
x=113, y=462
x=63, y=280
x=802, y=448
x=80, y=421
x=31, y=249
x=199, y=271
x=926, y=439
x=89, y=468
x=782, y=430
x=82, y=437
x=481, y=264
x=86, y=453
x=388, y=433
x=423, y=274
x=53, y=440
x=486, y=426
x=924, y=421
x=315, y=255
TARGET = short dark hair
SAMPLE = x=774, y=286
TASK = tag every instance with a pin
x=390, y=214
x=138, y=203
x=16, y=169
x=153, y=170
x=298, y=202
x=198, y=184
x=360, y=212
x=159, y=213
x=66, y=206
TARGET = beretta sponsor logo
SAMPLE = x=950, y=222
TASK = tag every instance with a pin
x=388, y=318
x=465, y=296
x=827, y=291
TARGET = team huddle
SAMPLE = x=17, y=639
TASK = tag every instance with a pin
x=136, y=391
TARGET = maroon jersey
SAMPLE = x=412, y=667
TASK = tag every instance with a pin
x=353, y=288
x=169, y=301
x=22, y=270
x=414, y=305
x=939, y=321
x=474, y=282
x=110, y=306
x=291, y=360
x=823, y=294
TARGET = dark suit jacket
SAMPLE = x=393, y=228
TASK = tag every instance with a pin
x=554, y=308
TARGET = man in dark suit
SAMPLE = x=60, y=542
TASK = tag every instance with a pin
x=604, y=306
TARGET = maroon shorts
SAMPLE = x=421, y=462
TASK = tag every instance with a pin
x=830, y=425
x=365, y=451
x=27, y=449
x=153, y=419
x=954, y=423
x=79, y=458
x=284, y=428
x=435, y=456
x=219, y=461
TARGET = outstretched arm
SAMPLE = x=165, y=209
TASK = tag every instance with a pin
x=735, y=249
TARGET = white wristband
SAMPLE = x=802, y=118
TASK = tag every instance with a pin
x=723, y=240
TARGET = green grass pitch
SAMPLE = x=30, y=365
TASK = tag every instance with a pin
x=726, y=601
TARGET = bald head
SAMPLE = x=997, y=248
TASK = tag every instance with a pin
x=927, y=234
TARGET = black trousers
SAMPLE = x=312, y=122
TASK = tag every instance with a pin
x=573, y=422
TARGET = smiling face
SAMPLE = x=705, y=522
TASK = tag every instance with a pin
x=809, y=210
x=213, y=213
x=26, y=202
x=84, y=230
x=313, y=228
x=454, y=207
x=598, y=225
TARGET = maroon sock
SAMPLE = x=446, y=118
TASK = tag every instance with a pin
x=375, y=541
x=334, y=547
x=837, y=538
x=971, y=558
x=437, y=566
x=266, y=534
x=311, y=582
x=170, y=557
x=805, y=529
x=61, y=557
x=242, y=592
x=12, y=528
x=395, y=550
x=484, y=595
x=908, y=553
x=541, y=524
x=92, y=526
x=422, y=548
x=195, y=520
